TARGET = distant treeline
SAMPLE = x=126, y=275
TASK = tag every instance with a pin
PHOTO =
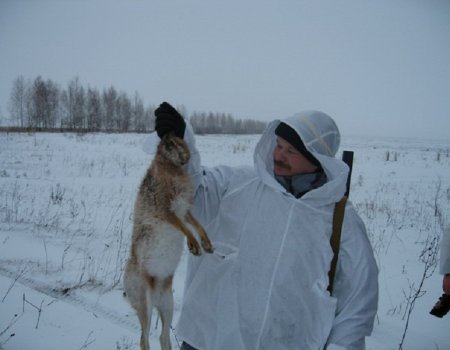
x=44, y=105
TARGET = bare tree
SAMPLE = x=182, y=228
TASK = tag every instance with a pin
x=51, y=104
x=138, y=113
x=109, y=105
x=17, y=103
x=79, y=111
x=198, y=122
x=39, y=101
x=73, y=105
x=124, y=112
x=228, y=124
x=94, y=110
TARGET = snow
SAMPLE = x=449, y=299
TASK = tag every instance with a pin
x=65, y=223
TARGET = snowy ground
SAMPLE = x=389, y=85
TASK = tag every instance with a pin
x=65, y=222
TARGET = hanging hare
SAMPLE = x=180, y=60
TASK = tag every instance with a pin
x=161, y=211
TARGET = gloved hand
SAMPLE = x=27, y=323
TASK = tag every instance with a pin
x=169, y=120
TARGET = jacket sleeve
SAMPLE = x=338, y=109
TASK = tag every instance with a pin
x=210, y=184
x=444, y=262
x=355, y=286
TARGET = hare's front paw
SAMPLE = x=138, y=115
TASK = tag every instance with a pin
x=194, y=247
x=207, y=246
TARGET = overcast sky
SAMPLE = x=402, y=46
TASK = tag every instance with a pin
x=379, y=67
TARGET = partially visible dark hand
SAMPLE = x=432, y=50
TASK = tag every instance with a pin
x=169, y=120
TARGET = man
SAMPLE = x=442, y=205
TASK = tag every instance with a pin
x=265, y=286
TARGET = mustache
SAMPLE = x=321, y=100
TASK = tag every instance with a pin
x=282, y=165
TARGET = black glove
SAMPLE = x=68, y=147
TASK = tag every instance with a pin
x=169, y=120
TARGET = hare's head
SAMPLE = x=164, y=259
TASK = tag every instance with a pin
x=174, y=150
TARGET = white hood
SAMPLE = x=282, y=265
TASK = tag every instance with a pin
x=321, y=137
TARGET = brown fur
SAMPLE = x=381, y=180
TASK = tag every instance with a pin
x=161, y=210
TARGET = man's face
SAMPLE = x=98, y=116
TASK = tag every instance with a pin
x=288, y=161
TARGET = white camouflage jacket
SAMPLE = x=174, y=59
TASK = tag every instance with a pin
x=265, y=286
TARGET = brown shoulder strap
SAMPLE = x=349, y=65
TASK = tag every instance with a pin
x=338, y=219
x=335, y=240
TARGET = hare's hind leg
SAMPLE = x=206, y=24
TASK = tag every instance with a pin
x=144, y=310
x=206, y=243
x=145, y=317
x=137, y=292
x=165, y=308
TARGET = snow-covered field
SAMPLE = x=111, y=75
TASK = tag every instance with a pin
x=65, y=222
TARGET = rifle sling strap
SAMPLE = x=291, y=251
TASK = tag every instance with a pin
x=335, y=240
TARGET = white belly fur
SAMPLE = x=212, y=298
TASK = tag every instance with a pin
x=161, y=254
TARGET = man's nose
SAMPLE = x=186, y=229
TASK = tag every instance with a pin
x=280, y=155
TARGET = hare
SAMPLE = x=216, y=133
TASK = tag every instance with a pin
x=160, y=212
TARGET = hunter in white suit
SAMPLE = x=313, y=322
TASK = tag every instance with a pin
x=265, y=286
